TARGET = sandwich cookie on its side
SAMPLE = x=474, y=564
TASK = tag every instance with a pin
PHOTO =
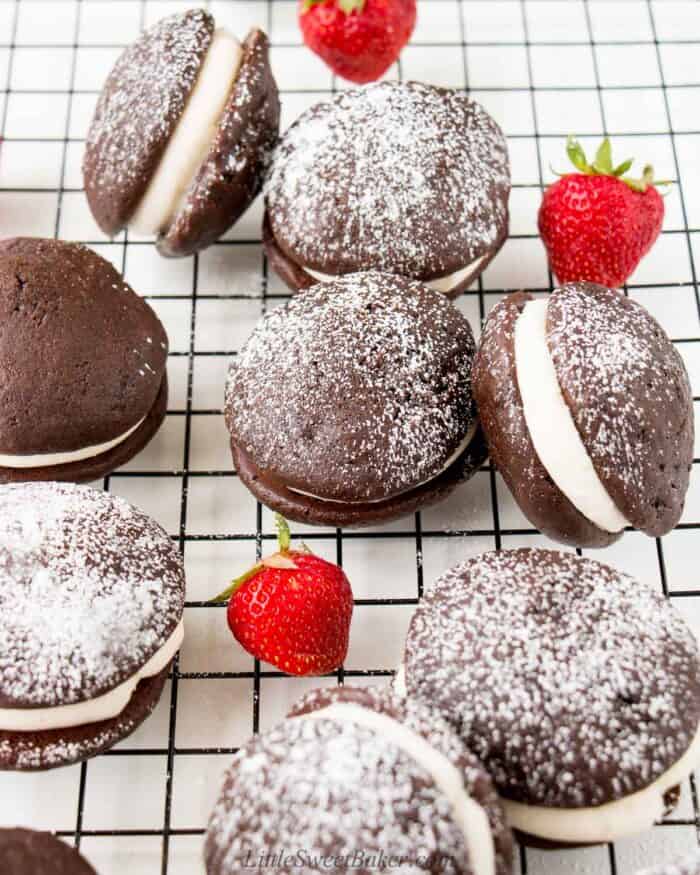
x=83, y=360
x=353, y=777
x=399, y=177
x=352, y=404
x=588, y=413
x=182, y=133
x=28, y=852
x=91, y=597
x=577, y=687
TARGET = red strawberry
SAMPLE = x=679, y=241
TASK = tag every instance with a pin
x=598, y=224
x=292, y=609
x=358, y=39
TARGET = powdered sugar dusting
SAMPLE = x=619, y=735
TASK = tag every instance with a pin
x=138, y=109
x=371, y=391
x=90, y=589
x=574, y=684
x=407, y=178
x=630, y=397
x=428, y=723
x=330, y=788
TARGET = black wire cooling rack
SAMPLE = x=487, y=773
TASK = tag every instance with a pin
x=544, y=69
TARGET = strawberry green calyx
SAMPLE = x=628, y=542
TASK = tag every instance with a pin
x=236, y=584
x=603, y=166
x=281, y=559
x=346, y=6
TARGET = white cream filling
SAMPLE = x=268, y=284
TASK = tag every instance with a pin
x=605, y=823
x=468, y=814
x=49, y=459
x=453, y=458
x=552, y=429
x=192, y=137
x=103, y=707
x=399, y=682
x=442, y=284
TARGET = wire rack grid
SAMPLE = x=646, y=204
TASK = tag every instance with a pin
x=544, y=69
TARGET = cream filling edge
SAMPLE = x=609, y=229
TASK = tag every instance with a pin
x=470, y=817
x=104, y=707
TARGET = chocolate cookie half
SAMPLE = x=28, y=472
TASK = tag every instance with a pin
x=83, y=359
x=687, y=865
x=91, y=594
x=28, y=852
x=405, y=178
x=353, y=403
x=587, y=410
x=357, y=777
x=182, y=133
x=577, y=687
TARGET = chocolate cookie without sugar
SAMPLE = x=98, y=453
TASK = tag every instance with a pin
x=28, y=852
x=84, y=364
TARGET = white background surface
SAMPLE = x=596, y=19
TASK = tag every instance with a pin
x=543, y=69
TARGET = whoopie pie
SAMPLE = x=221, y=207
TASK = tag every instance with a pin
x=405, y=178
x=83, y=360
x=182, y=132
x=91, y=599
x=354, y=777
x=352, y=403
x=577, y=686
x=28, y=852
x=588, y=413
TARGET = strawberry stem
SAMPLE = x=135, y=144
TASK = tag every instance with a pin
x=284, y=539
x=284, y=536
x=603, y=165
x=346, y=6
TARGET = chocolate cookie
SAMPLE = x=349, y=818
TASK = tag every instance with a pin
x=358, y=776
x=28, y=852
x=587, y=411
x=353, y=402
x=687, y=865
x=91, y=595
x=577, y=687
x=83, y=360
x=182, y=133
x=404, y=178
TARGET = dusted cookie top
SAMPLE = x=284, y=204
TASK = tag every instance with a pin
x=406, y=178
x=629, y=395
x=426, y=722
x=90, y=589
x=138, y=110
x=357, y=389
x=573, y=683
x=83, y=356
x=27, y=852
x=689, y=865
x=331, y=789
